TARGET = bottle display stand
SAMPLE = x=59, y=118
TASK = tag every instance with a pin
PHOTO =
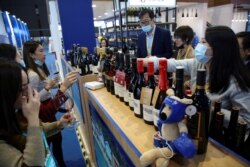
x=136, y=137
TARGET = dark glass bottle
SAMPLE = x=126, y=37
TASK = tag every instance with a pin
x=127, y=78
x=138, y=86
x=106, y=73
x=122, y=78
x=132, y=83
x=217, y=108
x=162, y=85
x=238, y=140
x=179, y=84
x=231, y=130
x=246, y=148
x=218, y=133
x=117, y=64
x=198, y=123
x=148, y=109
x=111, y=76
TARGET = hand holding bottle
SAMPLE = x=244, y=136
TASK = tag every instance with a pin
x=31, y=106
x=69, y=79
x=51, y=83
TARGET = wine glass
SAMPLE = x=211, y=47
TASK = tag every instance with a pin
x=68, y=108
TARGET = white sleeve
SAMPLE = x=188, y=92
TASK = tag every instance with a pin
x=186, y=63
x=35, y=82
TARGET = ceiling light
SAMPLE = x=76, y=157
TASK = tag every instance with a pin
x=106, y=13
x=99, y=16
x=94, y=18
x=94, y=5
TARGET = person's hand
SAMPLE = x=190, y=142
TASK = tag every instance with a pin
x=31, y=106
x=51, y=83
x=69, y=79
x=66, y=119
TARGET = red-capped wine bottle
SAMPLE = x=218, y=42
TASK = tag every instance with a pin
x=162, y=85
x=127, y=78
x=138, y=86
x=148, y=109
x=122, y=78
x=132, y=83
x=116, y=84
x=198, y=123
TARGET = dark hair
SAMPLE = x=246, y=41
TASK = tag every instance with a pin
x=186, y=33
x=145, y=11
x=104, y=39
x=8, y=51
x=245, y=39
x=10, y=89
x=226, y=61
x=28, y=49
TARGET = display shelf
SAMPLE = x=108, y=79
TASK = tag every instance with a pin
x=136, y=137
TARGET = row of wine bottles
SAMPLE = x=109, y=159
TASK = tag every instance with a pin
x=133, y=14
x=233, y=136
x=80, y=58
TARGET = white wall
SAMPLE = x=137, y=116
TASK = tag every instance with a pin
x=198, y=24
x=220, y=15
x=239, y=21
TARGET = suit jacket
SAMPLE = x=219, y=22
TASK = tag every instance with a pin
x=162, y=44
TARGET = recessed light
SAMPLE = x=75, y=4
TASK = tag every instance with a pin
x=94, y=5
x=99, y=16
x=106, y=13
x=94, y=18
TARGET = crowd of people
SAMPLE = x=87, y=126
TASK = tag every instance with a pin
x=28, y=124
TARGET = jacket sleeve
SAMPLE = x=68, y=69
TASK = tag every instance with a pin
x=167, y=40
x=186, y=63
x=33, y=154
x=51, y=107
x=51, y=128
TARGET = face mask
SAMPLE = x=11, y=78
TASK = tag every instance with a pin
x=38, y=62
x=147, y=28
x=200, y=55
x=181, y=47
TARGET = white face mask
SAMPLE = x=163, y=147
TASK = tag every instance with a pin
x=200, y=55
x=38, y=62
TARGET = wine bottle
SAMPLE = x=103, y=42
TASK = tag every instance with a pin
x=198, y=122
x=217, y=132
x=216, y=108
x=122, y=78
x=238, y=140
x=127, y=78
x=132, y=83
x=111, y=76
x=179, y=84
x=148, y=109
x=106, y=73
x=246, y=148
x=117, y=64
x=138, y=86
x=230, y=132
x=162, y=87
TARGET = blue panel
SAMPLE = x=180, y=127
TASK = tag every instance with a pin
x=21, y=31
x=8, y=26
x=27, y=32
x=77, y=23
x=16, y=31
x=108, y=150
x=4, y=39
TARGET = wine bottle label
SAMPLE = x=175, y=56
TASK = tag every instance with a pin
x=94, y=69
x=137, y=106
x=155, y=96
x=91, y=67
x=116, y=88
x=126, y=96
x=190, y=110
x=146, y=95
x=122, y=91
x=148, y=113
x=156, y=116
x=131, y=99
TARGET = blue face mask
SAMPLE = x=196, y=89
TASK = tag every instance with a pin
x=200, y=55
x=147, y=28
x=22, y=63
x=38, y=62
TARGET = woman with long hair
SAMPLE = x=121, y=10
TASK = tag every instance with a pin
x=21, y=141
x=34, y=58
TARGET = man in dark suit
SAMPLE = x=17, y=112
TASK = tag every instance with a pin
x=153, y=41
